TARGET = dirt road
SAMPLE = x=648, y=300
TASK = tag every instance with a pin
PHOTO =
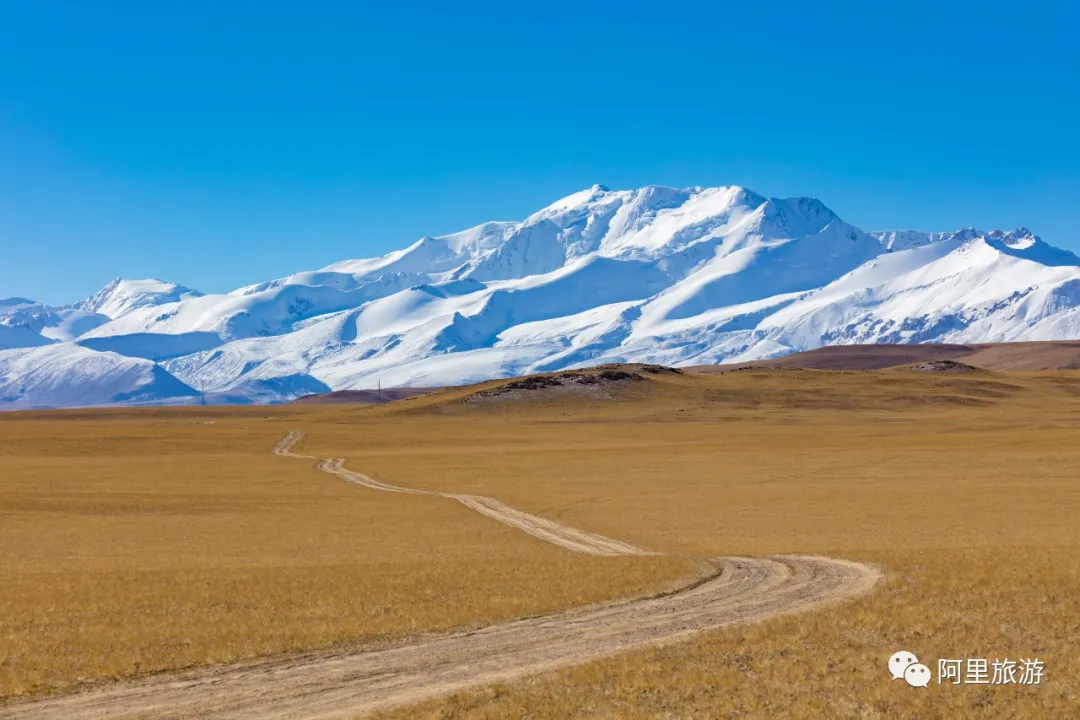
x=343, y=684
x=546, y=530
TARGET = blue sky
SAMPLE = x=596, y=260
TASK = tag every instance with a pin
x=217, y=143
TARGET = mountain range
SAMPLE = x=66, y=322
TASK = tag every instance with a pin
x=663, y=275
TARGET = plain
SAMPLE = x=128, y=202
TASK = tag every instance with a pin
x=158, y=539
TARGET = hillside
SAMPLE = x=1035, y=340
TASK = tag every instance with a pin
x=680, y=277
x=1031, y=356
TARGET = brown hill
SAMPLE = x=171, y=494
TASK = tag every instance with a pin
x=1056, y=355
x=364, y=397
x=1023, y=356
x=592, y=382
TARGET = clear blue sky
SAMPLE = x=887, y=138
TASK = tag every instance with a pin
x=217, y=143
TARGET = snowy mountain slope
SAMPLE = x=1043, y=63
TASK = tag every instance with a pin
x=263, y=310
x=64, y=374
x=37, y=324
x=121, y=296
x=676, y=276
x=20, y=337
x=14, y=302
x=25, y=323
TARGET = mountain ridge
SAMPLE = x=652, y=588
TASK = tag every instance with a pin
x=678, y=276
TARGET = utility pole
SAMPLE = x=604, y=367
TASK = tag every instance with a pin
x=380, y=390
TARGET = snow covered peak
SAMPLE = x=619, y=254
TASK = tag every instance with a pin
x=1020, y=243
x=121, y=296
x=1018, y=239
x=650, y=222
x=792, y=217
x=657, y=221
x=654, y=274
x=579, y=199
x=1023, y=243
x=13, y=302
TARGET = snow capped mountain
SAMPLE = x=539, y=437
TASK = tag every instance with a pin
x=121, y=296
x=14, y=302
x=68, y=375
x=676, y=276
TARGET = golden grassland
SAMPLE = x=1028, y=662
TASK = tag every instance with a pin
x=150, y=538
x=963, y=489
x=137, y=541
x=1016, y=602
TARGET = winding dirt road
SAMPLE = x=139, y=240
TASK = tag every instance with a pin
x=343, y=684
x=565, y=537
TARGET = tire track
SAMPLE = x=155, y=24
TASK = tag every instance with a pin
x=566, y=537
x=342, y=684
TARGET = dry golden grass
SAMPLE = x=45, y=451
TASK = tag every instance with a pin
x=1016, y=603
x=962, y=488
x=132, y=542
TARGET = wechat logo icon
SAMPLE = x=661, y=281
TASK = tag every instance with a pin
x=903, y=665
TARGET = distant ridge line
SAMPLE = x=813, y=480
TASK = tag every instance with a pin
x=1019, y=356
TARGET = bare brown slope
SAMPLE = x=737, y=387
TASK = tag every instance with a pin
x=1029, y=356
x=568, y=390
x=363, y=397
x=1020, y=356
x=1061, y=355
x=670, y=395
x=594, y=380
